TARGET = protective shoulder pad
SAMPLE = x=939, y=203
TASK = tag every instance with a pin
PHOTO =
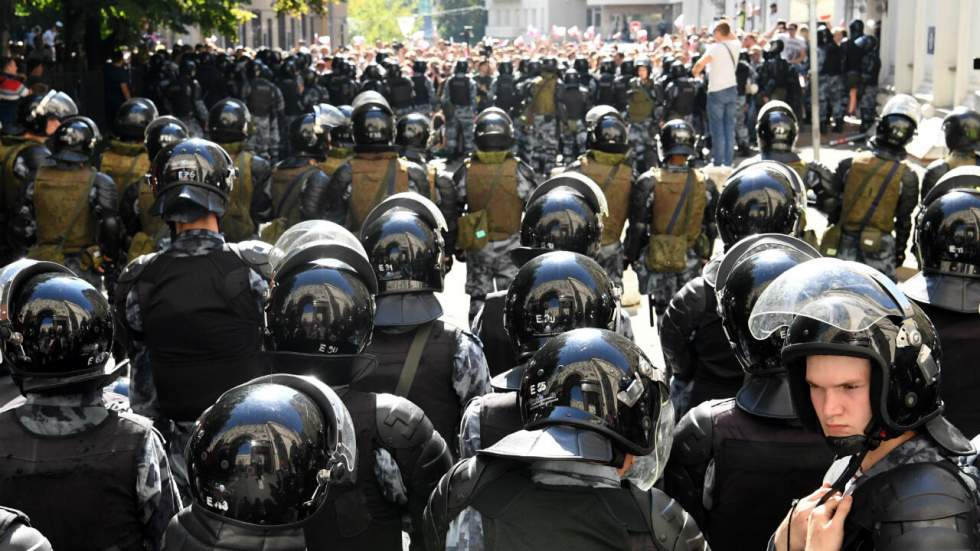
x=693, y=435
x=401, y=424
x=9, y=517
x=135, y=267
x=255, y=254
x=915, y=492
x=674, y=528
x=526, y=170
x=35, y=156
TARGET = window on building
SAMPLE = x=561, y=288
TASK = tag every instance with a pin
x=593, y=17
x=305, y=36
x=292, y=33
x=281, y=27
x=256, y=31
x=268, y=33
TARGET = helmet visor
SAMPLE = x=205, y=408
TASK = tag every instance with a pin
x=847, y=295
x=647, y=469
x=308, y=232
x=903, y=104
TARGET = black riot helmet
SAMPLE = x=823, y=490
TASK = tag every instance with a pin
x=34, y=112
x=373, y=122
x=777, y=127
x=75, y=140
x=679, y=70
x=564, y=213
x=55, y=328
x=594, y=381
x=340, y=135
x=549, y=65
x=824, y=35
x=505, y=67
x=462, y=67
x=866, y=42
x=412, y=132
x=493, y=130
x=162, y=132
x=419, y=67
x=962, y=130
x=961, y=177
x=188, y=68
x=643, y=62
x=190, y=179
x=626, y=69
x=404, y=237
x=609, y=134
x=856, y=29
x=745, y=272
x=666, y=63
x=581, y=65
x=763, y=197
x=534, y=68
x=279, y=440
x=133, y=117
x=572, y=79
x=829, y=306
x=677, y=137
x=607, y=66
x=373, y=71
x=948, y=235
x=898, y=121
x=775, y=48
x=229, y=121
x=322, y=300
x=309, y=136
x=557, y=292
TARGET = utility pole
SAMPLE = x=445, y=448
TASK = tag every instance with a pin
x=814, y=83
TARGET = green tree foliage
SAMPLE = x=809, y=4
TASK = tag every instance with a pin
x=452, y=23
x=378, y=19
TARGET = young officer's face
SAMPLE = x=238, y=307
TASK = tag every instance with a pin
x=840, y=389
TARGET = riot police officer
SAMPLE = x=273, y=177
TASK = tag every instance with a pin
x=291, y=86
x=185, y=100
x=265, y=101
x=423, y=89
x=593, y=408
x=65, y=447
x=606, y=92
x=759, y=455
x=401, y=91
x=375, y=171
x=193, y=313
x=145, y=230
x=607, y=164
x=543, y=109
x=775, y=74
x=586, y=78
x=421, y=355
x=503, y=90
x=491, y=192
x=373, y=80
x=412, y=138
x=537, y=306
x=831, y=71
x=694, y=345
x=863, y=364
x=300, y=190
x=575, y=104
x=125, y=160
x=342, y=87
x=870, y=69
x=777, y=130
x=459, y=106
x=73, y=206
x=250, y=202
x=947, y=290
x=961, y=129
x=680, y=94
x=878, y=192
x=641, y=107
x=288, y=479
x=669, y=211
x=313, y=92
x=399, y=456
x=341, y=143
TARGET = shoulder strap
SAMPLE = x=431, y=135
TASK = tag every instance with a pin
x=412, y=360
x=860, y=188
x=880, y=194
x=680, y=202
x=642, y=500
x=293, y=186
x=730, y=56
x=387, y=183
x=611, y=176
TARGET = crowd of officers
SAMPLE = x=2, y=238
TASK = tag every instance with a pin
x=294, y=384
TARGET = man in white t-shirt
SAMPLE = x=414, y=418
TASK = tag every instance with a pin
x=721, y=58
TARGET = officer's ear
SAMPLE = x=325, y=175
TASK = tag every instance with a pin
x=623, y=462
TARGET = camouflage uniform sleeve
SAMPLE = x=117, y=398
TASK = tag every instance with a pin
x=465, y=531
x=469, y=429
x=156, y=491
x=525, y=181
x=471, y=376
x=640, y=203
x=907, y=201
x=259, y=287
x=389, y=477
x=142, y=390
x=473, y=100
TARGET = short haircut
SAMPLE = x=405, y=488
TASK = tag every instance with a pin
x=722, y=27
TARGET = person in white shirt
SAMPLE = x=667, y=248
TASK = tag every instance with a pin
x=721, y=58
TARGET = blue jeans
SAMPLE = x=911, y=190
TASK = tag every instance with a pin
x=721, y=123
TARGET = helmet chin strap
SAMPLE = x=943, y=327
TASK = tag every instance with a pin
x=857, y=447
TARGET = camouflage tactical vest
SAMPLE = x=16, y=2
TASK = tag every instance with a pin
x=615, y=182
x=10, y=148
x=333, y=162
x=864, y=181
x=126, y=163
x=543, y=96
x=374, y=177
x=61, y=205
x=799, y=166
x=667, y=193
x=493, y=188
x=282, y=180
x=237, y=224
x=641, y=104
